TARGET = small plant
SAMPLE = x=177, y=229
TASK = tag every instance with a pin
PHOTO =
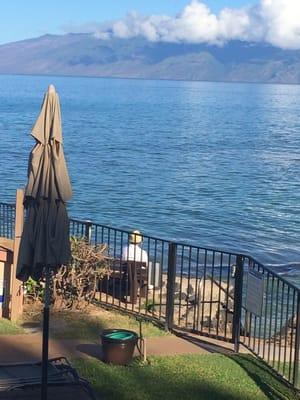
x=150, y=306
x=33, y=291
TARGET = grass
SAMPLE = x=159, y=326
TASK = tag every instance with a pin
x=209, y=376
x=9, y=328
x=89, y=324
x=192, y=377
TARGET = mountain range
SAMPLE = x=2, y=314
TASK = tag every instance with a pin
x=85, y=55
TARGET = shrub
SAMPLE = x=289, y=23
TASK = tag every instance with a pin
x=74, y=286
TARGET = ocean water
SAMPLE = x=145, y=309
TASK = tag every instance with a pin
x=212, y=164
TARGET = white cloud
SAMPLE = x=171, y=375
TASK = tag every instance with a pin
x=282, y=21
x=274, y=21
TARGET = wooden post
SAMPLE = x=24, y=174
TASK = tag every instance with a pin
x=16, y=305
x=6, y=260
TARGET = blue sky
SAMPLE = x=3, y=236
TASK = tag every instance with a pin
x=21, y=19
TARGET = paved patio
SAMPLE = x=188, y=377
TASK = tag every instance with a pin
x=27, y=347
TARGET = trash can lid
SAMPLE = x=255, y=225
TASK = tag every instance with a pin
x=120, y=335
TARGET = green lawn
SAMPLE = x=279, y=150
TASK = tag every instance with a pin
x=9, y=328
x=88, y=325
x=194, y=377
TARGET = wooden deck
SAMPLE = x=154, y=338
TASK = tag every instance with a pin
x=6, y=244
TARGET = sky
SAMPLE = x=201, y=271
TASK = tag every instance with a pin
x=22, y=19
x=276, y=22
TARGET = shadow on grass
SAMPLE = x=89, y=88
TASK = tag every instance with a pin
x=67, y=325
x=146, y=383
x=265, y=378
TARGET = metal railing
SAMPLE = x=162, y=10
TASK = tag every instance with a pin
x=113, y=291
x=188, y=287
x=7, y=220
x=200, y=290
x=204, y=291
x=273, y=332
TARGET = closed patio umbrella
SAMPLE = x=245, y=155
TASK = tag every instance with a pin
x=45, y=244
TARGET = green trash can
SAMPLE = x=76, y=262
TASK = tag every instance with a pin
x=118, y=346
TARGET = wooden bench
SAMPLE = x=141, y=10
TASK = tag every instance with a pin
x=134, y=274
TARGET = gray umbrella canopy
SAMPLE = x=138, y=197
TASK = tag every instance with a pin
x=47, y=171
x=45, y=238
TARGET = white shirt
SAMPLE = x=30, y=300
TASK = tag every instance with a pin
x=133, y=252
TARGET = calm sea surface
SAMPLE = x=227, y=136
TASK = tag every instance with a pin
x=212, y=164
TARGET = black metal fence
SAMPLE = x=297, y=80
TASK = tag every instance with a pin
x=7, y=220
x=209, y=292
x=272, y=332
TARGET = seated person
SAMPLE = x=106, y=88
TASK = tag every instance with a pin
x=133, y=252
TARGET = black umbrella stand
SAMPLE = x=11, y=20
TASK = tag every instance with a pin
x=45, y=349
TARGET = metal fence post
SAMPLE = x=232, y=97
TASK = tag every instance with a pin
x=238, y=298
x=297, y=345
x=88, y=231
x=171, y=286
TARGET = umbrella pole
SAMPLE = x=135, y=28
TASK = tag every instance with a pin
x=44, y=391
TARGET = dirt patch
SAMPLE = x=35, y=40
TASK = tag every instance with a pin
x=84, y=325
